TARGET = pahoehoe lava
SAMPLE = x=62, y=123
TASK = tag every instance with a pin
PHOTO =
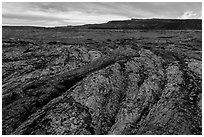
x=132, y=86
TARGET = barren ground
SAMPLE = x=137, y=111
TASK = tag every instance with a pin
x=101, y=81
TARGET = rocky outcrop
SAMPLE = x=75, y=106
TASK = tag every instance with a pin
x=79, y=90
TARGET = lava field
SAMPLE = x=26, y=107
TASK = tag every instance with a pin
x=100, y=82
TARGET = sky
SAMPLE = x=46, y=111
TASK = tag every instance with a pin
x=79, y=13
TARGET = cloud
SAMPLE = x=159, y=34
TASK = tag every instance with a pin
x=80, y=17
x=191, y=15
x=70, y=13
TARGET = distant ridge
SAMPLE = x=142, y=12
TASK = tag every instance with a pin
x=151, y=24
x=138, y=24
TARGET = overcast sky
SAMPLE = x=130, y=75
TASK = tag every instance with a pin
x=57, y=14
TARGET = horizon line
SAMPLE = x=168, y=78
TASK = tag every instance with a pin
x=9, y=25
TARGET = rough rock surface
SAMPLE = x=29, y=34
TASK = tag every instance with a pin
x=129, y=90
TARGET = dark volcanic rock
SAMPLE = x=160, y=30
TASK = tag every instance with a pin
x=72, y=89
